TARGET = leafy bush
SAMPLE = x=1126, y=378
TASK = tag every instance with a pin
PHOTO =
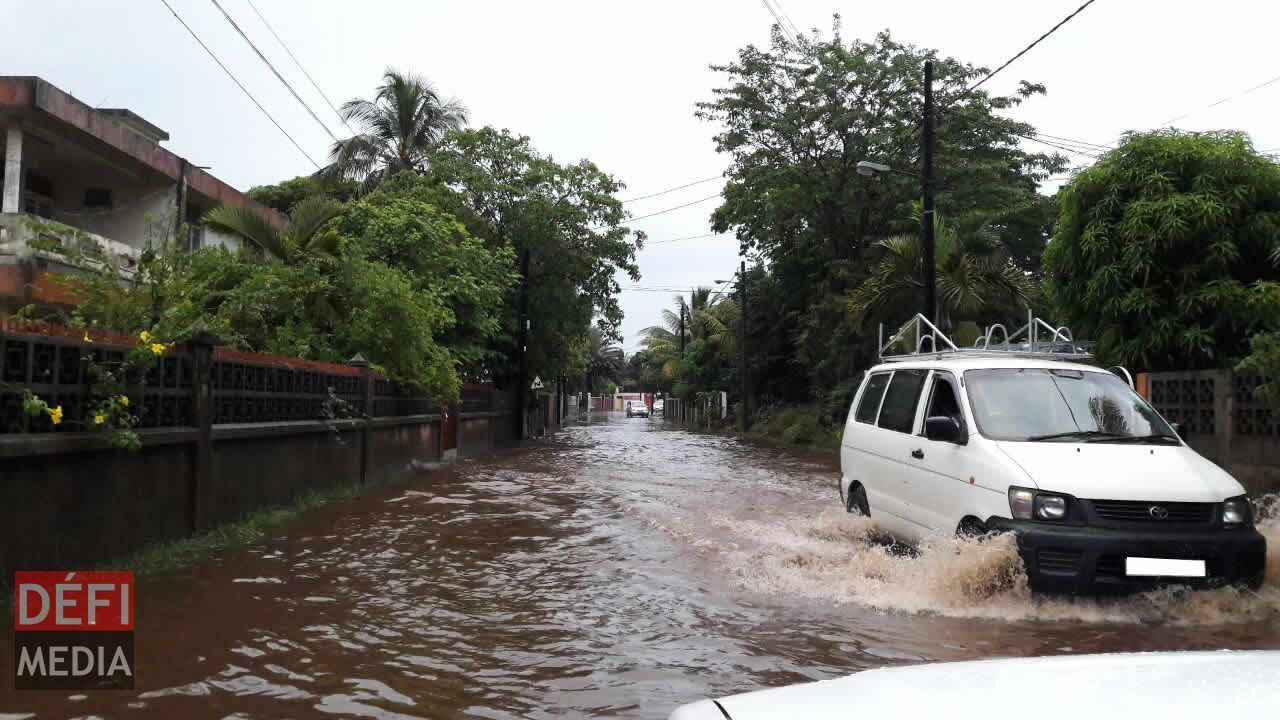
x=1162, y=253
x=1264, y=361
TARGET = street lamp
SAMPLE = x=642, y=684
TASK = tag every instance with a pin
x=866, y=168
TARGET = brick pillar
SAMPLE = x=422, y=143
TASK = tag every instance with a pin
x=202, y=413
x=365, y=407
x=1224, y=412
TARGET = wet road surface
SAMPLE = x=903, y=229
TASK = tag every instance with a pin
x=620, y=569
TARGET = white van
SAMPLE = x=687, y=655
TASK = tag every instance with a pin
x=1026, y=438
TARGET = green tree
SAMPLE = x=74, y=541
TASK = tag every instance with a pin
x=1163, y=250
x=303, y=235
x=711, y=324
x=405, y=119
x=441, y=258
x=795, y=120
x=567, y=220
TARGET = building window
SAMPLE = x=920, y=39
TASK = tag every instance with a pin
x=39, y=184
x=37, y=195
x=97, y=198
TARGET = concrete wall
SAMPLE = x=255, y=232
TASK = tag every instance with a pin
x=1220, y=418
x=64, y=504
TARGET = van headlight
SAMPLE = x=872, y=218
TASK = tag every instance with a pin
x=1026, y=504
x=1237, y=511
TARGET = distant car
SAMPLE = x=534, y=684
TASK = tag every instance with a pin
x=657, y=406
x=1165, y=685
x=636, y=408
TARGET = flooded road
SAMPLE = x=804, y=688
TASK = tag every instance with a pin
x=620, y=569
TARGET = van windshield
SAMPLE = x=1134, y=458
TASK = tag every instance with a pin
x=1061, y=405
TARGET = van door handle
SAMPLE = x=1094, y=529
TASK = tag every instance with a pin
x=917, y=454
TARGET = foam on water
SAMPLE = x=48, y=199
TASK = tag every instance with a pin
x=835, y=557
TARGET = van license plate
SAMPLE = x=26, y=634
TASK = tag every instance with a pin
x=1163, y=567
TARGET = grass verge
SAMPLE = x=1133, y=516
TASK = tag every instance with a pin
x=796, y=425
x=178, y=554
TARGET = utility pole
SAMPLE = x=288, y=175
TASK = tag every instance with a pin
x=927, y=218
x=522, y=381
x=682, y=326
x=742, y=292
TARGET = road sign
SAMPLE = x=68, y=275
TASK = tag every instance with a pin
x=536, y=384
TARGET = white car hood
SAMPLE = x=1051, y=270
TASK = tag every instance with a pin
x=1113, y=471
x=1168, y=685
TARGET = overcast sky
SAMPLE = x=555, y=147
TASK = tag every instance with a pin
x=616, y=82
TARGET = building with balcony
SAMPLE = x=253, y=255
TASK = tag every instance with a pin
x=75, y=174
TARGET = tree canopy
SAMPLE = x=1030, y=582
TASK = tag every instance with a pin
x=566, y=217
x=1163, y=252
x=795, y=119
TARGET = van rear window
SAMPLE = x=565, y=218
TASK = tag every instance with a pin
x=899, y=409
x=870, y=403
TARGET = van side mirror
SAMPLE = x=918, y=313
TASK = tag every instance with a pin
x=1177, y=429
x=944, y=428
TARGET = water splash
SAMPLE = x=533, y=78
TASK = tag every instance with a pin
x=835, y=557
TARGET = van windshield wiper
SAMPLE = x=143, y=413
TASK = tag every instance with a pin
x=1170, y=439
x=1087, y=435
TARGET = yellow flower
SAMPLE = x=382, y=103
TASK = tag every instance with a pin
x=124, y=400
x=55, y=414
x=144, y=336
x=99, y=419
x=158, y=348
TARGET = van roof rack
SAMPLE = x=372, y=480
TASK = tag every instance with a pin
x=1037, y=339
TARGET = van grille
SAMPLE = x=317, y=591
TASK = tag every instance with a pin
x=1058, y=562
x=1154, y=512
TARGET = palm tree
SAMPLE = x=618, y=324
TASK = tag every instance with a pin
x=604, y=358
x=405, y=118
x=708, y=317
x=301, y=237
x=974, y=276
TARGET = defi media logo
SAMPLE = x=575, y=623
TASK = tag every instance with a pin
x=73, y=630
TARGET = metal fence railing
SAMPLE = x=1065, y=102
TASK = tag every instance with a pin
x=56, y=363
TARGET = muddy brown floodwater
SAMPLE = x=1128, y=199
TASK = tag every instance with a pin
x=620, y=569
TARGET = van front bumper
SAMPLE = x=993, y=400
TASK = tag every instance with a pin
x=1091, y=560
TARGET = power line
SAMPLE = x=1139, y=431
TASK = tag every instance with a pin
x=314, y=84
x=680, y=239
x=787, y=18
x=1024, y=51
x=1069, y=141
x=782, y=27
x=275, y=72
x=239, y=84
x=671, y=209
x=1224, y=100
x=1064, y=148
x=1077, y=147
x=673, y=189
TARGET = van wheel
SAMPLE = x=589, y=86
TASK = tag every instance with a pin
x=857, y=502
x=971, y=528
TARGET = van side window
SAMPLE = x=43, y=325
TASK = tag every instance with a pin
x=943, y=402
x=900, y=400
x=870, y=403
